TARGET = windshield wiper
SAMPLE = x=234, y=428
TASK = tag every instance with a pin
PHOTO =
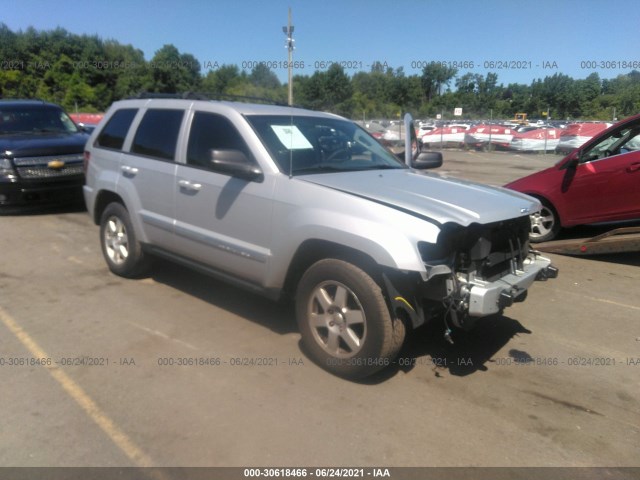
x=382, y=166
x=318, y=169
x=329, y=168
x=48, y=130
x=15, y=132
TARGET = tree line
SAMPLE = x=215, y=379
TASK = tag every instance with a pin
x=86, y=73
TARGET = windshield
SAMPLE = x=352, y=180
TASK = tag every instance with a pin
x=304, y=145
x=34, y=119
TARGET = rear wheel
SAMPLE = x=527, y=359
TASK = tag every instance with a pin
x=344, y=320
x=122, y=251
x=545, y=225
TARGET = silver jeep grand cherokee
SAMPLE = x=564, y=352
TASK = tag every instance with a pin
x=285, y=201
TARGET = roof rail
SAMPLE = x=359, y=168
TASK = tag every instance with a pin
x=208, y=96
x=186, y=95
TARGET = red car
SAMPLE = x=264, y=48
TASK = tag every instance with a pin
x=598, y=182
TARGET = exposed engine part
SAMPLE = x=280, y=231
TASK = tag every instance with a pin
x=456, y=302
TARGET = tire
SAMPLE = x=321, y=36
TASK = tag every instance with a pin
x=122, y=251
x=344, y=320
x=545, y=225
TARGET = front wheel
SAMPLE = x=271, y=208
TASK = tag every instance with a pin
x=545, y=225
x=344, y=320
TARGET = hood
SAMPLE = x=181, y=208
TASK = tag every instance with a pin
x=42, y=144
x=432, y=196
x=539, y=182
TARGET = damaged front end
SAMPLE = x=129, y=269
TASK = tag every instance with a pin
x=471, y=272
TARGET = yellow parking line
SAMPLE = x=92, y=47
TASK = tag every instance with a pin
x=75, y=391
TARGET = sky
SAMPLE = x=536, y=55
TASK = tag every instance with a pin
x=519, y=40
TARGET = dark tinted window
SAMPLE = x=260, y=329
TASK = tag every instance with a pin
x=157, y=134
x=212, y=132
x=115, y=131
x=34, y=119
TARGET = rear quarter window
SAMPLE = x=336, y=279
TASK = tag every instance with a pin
x=115, y=131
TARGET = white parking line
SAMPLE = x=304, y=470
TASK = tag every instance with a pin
x=603, y=300
x=163, y=335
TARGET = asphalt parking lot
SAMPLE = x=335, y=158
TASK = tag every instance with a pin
x=180, y=370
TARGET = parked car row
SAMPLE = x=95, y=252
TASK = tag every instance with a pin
x=530, y=138
x=537, y=137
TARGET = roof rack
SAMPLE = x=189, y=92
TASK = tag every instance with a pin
x=208, y=96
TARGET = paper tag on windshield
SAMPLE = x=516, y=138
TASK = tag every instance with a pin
x=291, y=137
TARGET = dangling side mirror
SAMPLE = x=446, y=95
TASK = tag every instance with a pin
x=413, y=156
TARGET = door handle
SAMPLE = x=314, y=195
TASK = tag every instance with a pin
x=187, y=185
x=634, y=167
x=127, y=170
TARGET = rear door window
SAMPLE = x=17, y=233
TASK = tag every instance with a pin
x=157, y=134
x=115, y=131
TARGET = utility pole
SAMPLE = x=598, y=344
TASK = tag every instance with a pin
x=288, y=31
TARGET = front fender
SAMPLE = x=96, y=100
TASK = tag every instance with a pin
x=388, y=236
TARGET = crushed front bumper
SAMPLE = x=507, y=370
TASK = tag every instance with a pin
x=487, y=298
x=463, y=297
